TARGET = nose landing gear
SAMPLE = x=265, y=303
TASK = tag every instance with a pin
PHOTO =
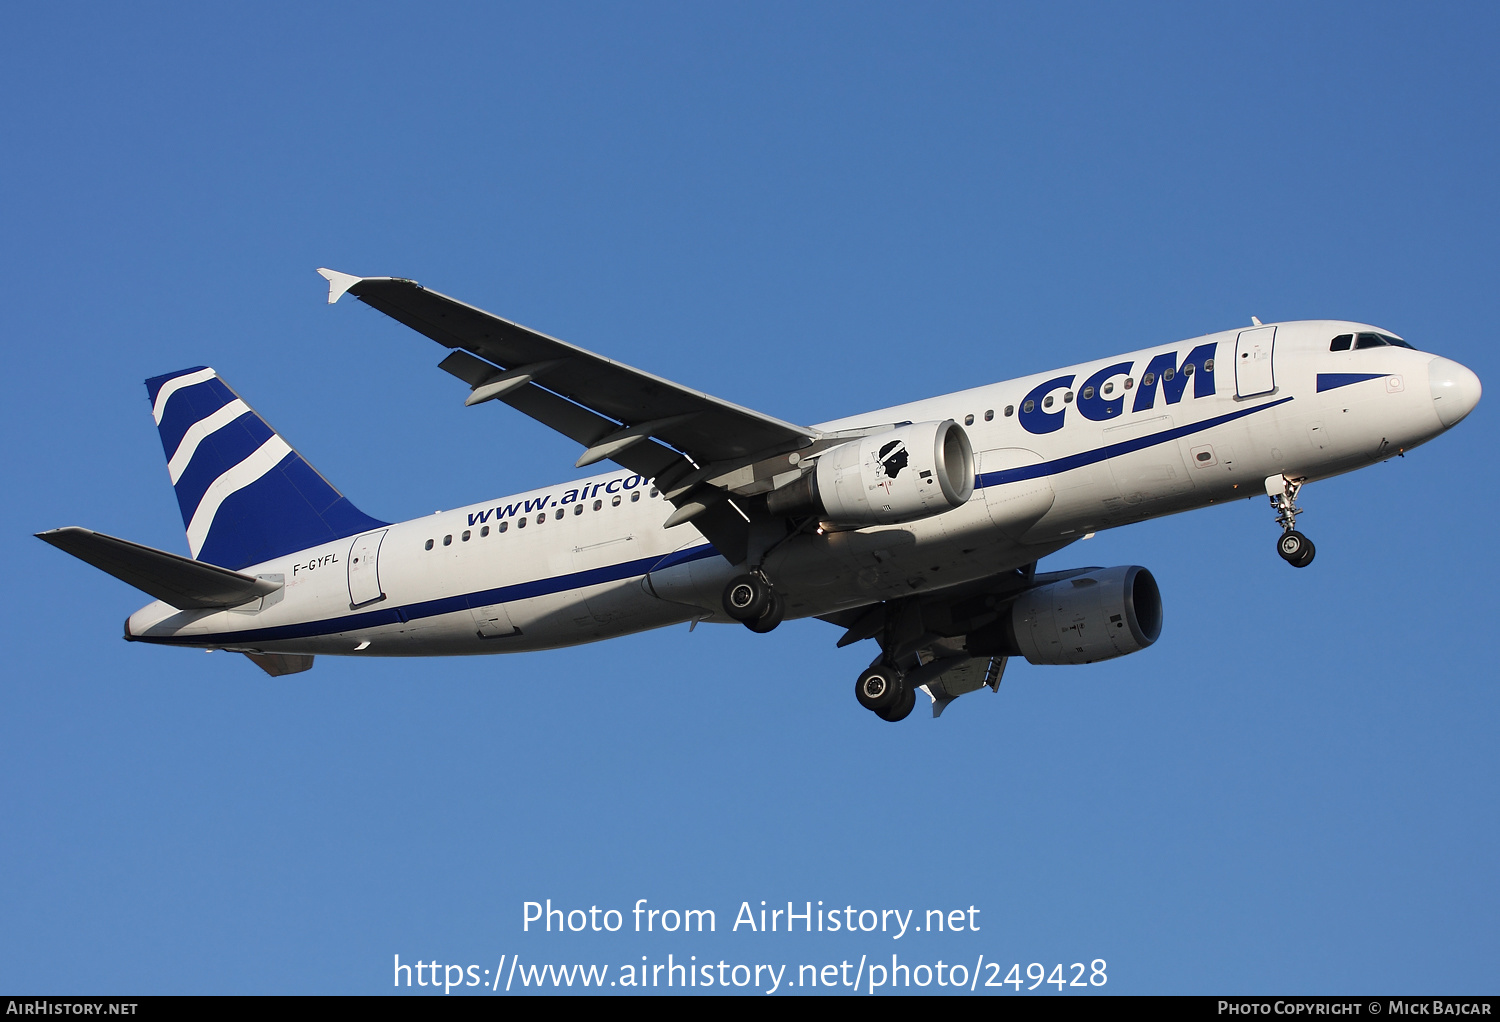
x=1294, y=548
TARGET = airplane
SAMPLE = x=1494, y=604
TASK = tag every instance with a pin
x=919, y=526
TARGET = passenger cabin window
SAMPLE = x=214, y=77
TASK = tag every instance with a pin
x=484, y=532
x=989, y=414
x=504, y=526
x=635, y=496
x=577, y=509
x=614, y=501
x=598, y=504
x=466, y=535
x=429, y=545
x=447, y=541
x=557, y=515
x=1010, y=410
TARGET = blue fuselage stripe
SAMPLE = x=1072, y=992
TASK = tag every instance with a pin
x=1098, y=454
x=450, y=604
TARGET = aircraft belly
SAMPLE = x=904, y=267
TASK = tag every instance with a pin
x=847, y=569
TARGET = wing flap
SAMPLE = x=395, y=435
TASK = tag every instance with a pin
x=176, y=580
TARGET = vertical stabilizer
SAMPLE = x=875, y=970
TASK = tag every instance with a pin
x=246, y=496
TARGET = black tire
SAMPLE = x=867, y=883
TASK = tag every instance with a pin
x=746, y=598
x=1307, y=554
x=901, y=708
x=878, y=687
x=775, y=611
x=1292, y=546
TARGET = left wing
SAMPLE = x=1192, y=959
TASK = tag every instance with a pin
x=696, y=447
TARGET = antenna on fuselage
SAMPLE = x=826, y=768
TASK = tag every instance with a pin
x=1255, y=321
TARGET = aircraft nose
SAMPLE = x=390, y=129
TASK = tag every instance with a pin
x=1455, y=390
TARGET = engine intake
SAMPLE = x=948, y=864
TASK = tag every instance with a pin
x=1099, y=614
x=901, y=475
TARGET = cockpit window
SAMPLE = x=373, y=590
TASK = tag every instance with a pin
x=1379, y=341
x=1341, y=342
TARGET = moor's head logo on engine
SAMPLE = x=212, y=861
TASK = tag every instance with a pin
x=893, y=458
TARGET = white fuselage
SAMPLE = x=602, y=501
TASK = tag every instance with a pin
x=1104, y=444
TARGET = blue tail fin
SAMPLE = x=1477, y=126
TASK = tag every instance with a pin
x=245, y=495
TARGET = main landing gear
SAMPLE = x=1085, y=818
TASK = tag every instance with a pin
x=1294, y=548
x=883, y=690
x=751, y=600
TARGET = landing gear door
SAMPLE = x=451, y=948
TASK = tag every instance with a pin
x=1253, y=371
x=364, y=569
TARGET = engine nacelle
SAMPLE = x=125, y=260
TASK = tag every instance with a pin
x=1097, y=615
x=901, y=475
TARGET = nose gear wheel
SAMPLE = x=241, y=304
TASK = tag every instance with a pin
x=1295, y=548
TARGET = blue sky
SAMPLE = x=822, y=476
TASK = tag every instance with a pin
x=812, y=210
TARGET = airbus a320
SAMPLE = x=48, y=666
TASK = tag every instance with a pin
x=918, y=526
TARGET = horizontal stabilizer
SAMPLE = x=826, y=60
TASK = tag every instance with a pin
x=183, y=583
x=278, y=664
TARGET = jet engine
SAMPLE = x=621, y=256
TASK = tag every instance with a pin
x=900, y=475
x=1098, y=614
